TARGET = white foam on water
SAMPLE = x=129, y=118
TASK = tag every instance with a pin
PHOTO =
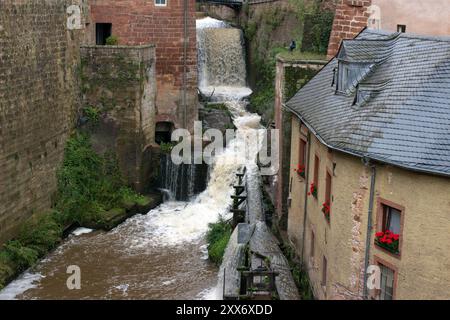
x=169, y=282
x=79, y=231
x=225, y=93
x=209, y=22
x=24, y=283
x=209, y=294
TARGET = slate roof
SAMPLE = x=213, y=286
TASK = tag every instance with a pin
x=404, y=115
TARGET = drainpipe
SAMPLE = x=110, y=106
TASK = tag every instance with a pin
x=305, y=209
x=369, y=223
x=185, y=47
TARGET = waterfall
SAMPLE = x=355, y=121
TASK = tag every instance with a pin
x=182, y=182
x=221, y=60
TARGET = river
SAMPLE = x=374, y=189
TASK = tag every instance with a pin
x=162, y=254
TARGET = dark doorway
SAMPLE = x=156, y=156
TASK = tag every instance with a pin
x=163, y=132
x=102, y=32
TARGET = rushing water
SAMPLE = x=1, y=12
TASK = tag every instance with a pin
x=160, y=255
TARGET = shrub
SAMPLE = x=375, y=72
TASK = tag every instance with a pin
x=217, y=237
x=88, y=184
x=112, y=40
x=22, y=256
x=166, y=147
x=129, y=196
x=41, y=234
x=301, y=278
x=92, y=114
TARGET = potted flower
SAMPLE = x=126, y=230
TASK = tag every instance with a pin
x=326, y=210
x=313, y=190
x=300, y=170
x=388, y=240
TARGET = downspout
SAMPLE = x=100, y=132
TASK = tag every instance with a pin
x=305, y=209
x=185, y=47
x=369, y=224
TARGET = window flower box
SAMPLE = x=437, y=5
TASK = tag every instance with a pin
x=326, y=210
x=312, y=190
x=300, y=170
x=388, y=241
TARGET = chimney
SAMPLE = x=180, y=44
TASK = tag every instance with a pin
x=350, y=18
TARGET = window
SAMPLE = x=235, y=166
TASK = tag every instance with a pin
x=102, y=32
x=389, y=226
x=401, y=28
x=386, y=283
x=302, y=153
x=349, y=74
x=328, y=188
x=324, y=271
x=391, y=219
x=313, y=239
x=160, y=3
x=316, y=171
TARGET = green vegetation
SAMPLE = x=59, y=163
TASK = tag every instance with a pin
x=112, y=41
x=91, y=193
x=166, y=147
x=311, y=35
x=92, y=114
x=217, y=237
x=285, y=54
x=37, y=236
x=300, y=276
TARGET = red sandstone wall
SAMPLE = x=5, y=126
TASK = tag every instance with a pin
x=39, y=94
x=138, y=22
x=350, y=18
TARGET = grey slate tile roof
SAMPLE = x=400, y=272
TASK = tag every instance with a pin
x=404, y=117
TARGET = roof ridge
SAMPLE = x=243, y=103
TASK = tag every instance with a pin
x=404, y=35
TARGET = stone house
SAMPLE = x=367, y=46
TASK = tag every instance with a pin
x=370, y=170
x=170, y=26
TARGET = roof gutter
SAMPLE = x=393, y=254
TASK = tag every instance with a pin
x=359, y=155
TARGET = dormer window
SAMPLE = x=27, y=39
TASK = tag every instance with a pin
x=349, y=74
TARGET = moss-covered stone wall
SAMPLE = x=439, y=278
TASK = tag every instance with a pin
x=118, y=85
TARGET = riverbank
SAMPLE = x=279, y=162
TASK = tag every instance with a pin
x=91, y=194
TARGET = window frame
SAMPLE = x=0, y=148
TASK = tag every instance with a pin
x=316, y=172
x=401, y=28
x=324, y=279
x=160, y=4
x=328, y=189
x=302, y=153
x=381, y=203
x=379, y=261
x=105, y=29
x=312, y=248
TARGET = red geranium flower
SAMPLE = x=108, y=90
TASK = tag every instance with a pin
x=379, y=234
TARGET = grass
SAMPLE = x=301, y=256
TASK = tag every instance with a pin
x=218, y=237
x=91, y=192
x=285, y=54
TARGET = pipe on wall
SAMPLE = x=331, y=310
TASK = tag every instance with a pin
x=369, y=223
x=305, y=209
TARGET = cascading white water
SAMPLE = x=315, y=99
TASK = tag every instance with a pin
x=161, y=254
x=221, y=60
